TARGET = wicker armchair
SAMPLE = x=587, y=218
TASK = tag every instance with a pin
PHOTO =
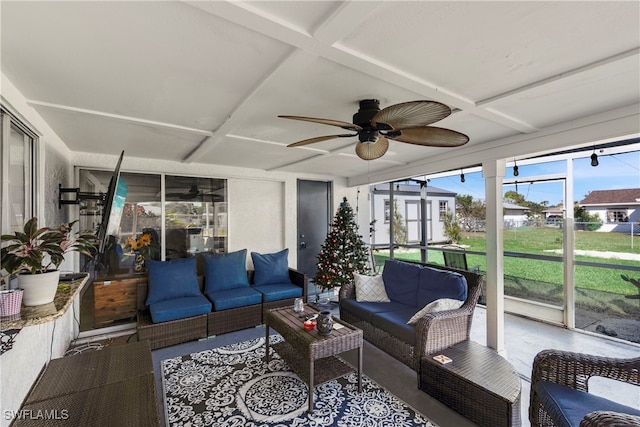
x=434, y=332
x=573, y=370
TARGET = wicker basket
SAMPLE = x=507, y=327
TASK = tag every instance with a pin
x=10, y=302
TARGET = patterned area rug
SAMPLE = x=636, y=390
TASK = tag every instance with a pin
x=233, y=386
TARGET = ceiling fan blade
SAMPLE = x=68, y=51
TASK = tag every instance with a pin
x=372, y=150
x=410, y=114
x=431, y=136
x=318, y=139
x=338, y=123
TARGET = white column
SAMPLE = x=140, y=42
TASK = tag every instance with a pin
x=568, y=250
x=493, y=173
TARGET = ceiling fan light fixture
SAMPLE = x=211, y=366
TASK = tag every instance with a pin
x=372, y=150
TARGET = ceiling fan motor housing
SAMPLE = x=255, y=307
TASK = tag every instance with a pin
x=368, y=109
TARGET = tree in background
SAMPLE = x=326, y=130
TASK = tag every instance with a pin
x=470, y=212
x=451, y=227
x=343, y=252
x=591, y=222
x=535, y=209
x=399, y=226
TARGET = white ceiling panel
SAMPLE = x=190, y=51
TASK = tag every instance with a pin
x=461, y=46
x=204, y=82
x=582, y=94
x=164, y=61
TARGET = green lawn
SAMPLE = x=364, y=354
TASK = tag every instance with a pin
x=544, y=278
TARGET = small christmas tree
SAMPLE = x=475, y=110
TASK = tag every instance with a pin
x=343, y=252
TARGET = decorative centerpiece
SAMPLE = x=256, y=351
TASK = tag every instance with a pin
x=325, y=323
x=142, y=249
x=35, y=254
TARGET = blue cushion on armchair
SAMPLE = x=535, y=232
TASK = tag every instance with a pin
x=234, y=298
x=271, y=269
x=571, y=405
x=279, y=292
x=179, y=308
x=225, y=271
x=172, y=279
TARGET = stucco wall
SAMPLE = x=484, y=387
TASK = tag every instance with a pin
x=33, y=347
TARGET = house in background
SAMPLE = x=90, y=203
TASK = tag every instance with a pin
x=554, y=211
x=407, y=201
x=618, y=209
x=515, y=215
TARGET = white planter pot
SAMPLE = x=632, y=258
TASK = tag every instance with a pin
x=38, y=288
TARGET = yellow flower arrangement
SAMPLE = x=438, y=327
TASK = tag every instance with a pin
x=143, y=248
x=142, y=242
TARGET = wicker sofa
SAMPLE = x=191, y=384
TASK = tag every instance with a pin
x=560, y=390
x=433, y=332
x=214, y=321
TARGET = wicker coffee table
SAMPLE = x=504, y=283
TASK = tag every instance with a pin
x=478, y=383
x=310, y=355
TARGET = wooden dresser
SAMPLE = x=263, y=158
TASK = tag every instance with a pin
x=115, y=298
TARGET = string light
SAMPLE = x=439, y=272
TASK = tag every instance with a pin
x=461, y=176
x=515, y=168
x=594, y=158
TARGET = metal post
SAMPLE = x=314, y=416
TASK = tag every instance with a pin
x=424, y=254
x=391, y=216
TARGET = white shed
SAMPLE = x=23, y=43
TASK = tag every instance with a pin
x=408, y=202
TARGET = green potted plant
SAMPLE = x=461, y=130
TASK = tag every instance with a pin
x=35, y=254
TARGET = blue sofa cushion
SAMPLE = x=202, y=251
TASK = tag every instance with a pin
x=172, y=279
x=179, y=308
x=271, y=269
x=395, y=323
x=366, y=310
x=436, y=284
x=401, y=281
x=279, y=291
x=575, y=404
x=234, y=298
x=225, y=271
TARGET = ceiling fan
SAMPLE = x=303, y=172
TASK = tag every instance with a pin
x=193, y=193
x=405, y=122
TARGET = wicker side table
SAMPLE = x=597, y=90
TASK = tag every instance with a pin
x=478, y=383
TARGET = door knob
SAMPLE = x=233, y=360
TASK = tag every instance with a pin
x=303, y=245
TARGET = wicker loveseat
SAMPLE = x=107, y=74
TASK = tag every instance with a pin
x=385, y=323
x=560, y=390
x=232, y=308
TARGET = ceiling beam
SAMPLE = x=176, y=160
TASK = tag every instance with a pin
x=118, y=117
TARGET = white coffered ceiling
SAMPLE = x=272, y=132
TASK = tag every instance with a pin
x=203, y=82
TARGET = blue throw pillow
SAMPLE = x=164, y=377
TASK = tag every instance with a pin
x=225, y=271
x=172, y=279
x=271, y=269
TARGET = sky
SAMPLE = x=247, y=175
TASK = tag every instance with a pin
x=614, y=172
